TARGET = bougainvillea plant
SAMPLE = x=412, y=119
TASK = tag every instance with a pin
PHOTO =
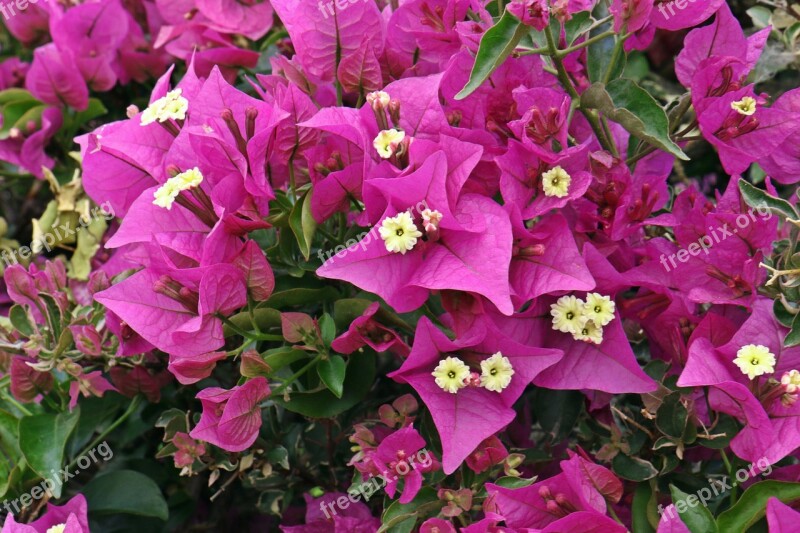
x=428, y=266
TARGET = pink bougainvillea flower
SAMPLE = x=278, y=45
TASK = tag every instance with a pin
x=50, y=64
x=467, y=248
x=231, y=418
x=88, y=385
x=758, y=394
x=783, y=164
x=574, y=501
x=396, y=458
x=527, y=178
x=189, y=450
x=253, y=19
x=545, y=259
x=322, y=33
x=534, y=13
x=70, y=517
x=669, y=15
x=365, y=330
x=189, y=370
x=177, y=311
x=472, y=413
x=543, y=126
x=26, y=147
x=323, y=515
x=27, y=383
x=742, y=129
x=87, y=339
x=632, y=15
x=780, y=517
x=132, y=381
x=723, y=37
x=490, y=452
x=437, y=525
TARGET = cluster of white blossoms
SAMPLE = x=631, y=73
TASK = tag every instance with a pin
x=171, y=106
x=555, y=182
x=452, y=374
x=166, y=194
x=584, y=320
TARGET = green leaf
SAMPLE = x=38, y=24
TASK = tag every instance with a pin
x=633, y=468
x=19, y=319
x=278, y=358
x=760, y=15
x=42, y=439
x=696, y=515
x=13, y=112
x=600, y=54
x=359, y=378
x=752, y=505
x=574, y=27
x=557, y=411
x=332, y=373
x=643, y=510
x=496, y=45
x=671, y=416
x=624, y=102
x=793, y=337
x=303, y=224
x=756, y=197
x=398, y=513
x=294, y=297
x=328, y=329
x=15, y=95
x=126, y=492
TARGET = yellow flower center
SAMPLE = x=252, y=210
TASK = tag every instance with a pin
x=450, y=374
x=745, y=106
x=590, y=332
x=58, y=528
x=399, y=233
x=755, y=360
x=555, y=182
x=386, y=142
x=496, y=372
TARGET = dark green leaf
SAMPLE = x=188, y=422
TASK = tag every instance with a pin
x=695, y=514
x=671, y=416
x=633, y=468
x=756, y=197
x=332, y=373
x=398, y=513
x=496, y=45
x=643, y=509
x=359, y=378
x=793, y=337
x=574, y=27
x=126, y=492
x=327, y=328
x=752, y=504
x=624, y=102
x=303, y=224
x=19, y=319
x=557, y=411
x=42, y=439
x=601, y=54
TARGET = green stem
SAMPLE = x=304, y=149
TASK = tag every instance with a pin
x=100, y=438
x=563, y=77
x=588, y=42
x=612, y=64
x=296, y=375
x=10, y=399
